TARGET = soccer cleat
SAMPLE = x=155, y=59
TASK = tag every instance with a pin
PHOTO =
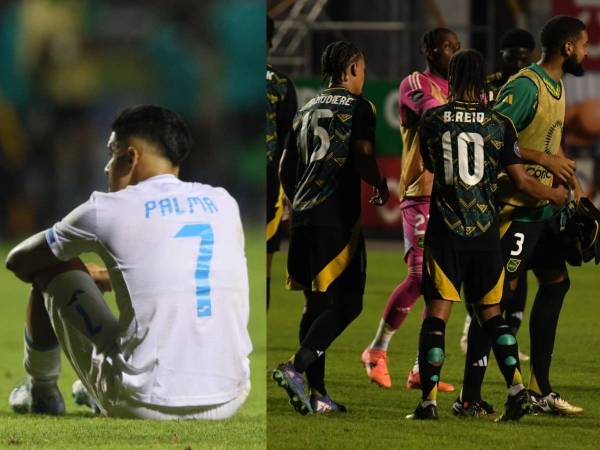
x=82, y=397
x=477, y=408
x=38, y=399
x=324, y=405
x=553, y=403
x=516, y=406
x=375, y=362
x=293, y=382
x=414, y=382
x=428, y=412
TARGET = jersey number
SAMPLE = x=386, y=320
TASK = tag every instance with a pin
x=313, y=117
x=205, y=233
x=519, y=242
x=463, y=140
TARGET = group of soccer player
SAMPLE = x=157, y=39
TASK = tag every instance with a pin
x=483, y=181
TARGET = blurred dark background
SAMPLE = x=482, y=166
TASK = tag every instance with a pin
x=68, y=66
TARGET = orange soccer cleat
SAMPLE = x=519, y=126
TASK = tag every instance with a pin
x=414, y=382
x=375, y=362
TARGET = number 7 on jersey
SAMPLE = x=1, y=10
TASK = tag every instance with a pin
x=205, y=232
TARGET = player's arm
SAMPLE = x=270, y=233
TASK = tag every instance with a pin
x=288, y=166
x=518, y=101
x=365, y=162
x=72, y=236
x=30, y=257
x=423, y=147
x=510, y=158
x=286, y=110
x=415, y=94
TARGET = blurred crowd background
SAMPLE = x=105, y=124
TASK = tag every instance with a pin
x=389, y=33
x=68, y=66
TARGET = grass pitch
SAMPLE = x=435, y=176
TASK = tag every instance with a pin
x=81, y=430
x=376, y=416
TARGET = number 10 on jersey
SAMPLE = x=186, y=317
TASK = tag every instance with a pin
x=205, y=232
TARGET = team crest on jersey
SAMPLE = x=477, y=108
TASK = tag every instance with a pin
x=517, y=149
x=513, y=264
x=417, y=96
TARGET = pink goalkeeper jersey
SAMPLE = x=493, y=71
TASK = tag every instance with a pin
x=418, y=92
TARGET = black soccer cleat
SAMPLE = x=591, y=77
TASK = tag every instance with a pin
x=476, y=408
x=428, y=412
x=293, y=382
x=516, y=406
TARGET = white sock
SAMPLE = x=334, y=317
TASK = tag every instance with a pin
x=42, y=365
x=73, y=298
x=415, y=368
x=382, y=337
x=515, y=389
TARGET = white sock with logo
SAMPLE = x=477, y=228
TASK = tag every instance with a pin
x=41, y=364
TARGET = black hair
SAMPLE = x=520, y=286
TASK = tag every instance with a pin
x=336, y=58
x=431, y=39
x=559, y=30
x=466, y=74
x=270, y=29
x=517, y=38
x=158, y=125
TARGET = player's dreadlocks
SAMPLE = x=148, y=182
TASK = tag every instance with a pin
x=335, y=60
x=431, y=39
x=466, y=75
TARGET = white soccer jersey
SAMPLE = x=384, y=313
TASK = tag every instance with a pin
x=175, y=255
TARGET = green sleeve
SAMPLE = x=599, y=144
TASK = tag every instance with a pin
x=518, y=101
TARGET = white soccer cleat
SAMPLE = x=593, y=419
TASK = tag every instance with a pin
x=82, y=397
x=41, y=398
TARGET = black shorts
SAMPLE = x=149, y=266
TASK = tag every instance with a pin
x=446, y=269
x=274, y=213
x=530, y=245
x=327, y=259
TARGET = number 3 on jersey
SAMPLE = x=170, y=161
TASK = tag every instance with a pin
x=318, y=131
x=205, y=232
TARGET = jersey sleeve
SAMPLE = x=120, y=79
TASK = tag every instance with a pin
x=415, y=94
x=518, y=101
x=285, y=112
x=510, y=153
x=363, y=122
x=76, y=233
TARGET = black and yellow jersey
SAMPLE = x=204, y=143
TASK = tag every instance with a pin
x=280, y=109
x=465, y=145
x=327, y=187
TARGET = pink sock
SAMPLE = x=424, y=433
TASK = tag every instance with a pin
x=402, y=299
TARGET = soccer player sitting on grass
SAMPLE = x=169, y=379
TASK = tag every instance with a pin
x=464, y=144
x=174, y=252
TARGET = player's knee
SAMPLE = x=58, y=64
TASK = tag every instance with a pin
x=44, y=277
x=561, y=287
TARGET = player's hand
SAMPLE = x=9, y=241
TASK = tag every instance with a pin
x=561, y=196
x=381, y=194
x=563, y=168
x=100, y=276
